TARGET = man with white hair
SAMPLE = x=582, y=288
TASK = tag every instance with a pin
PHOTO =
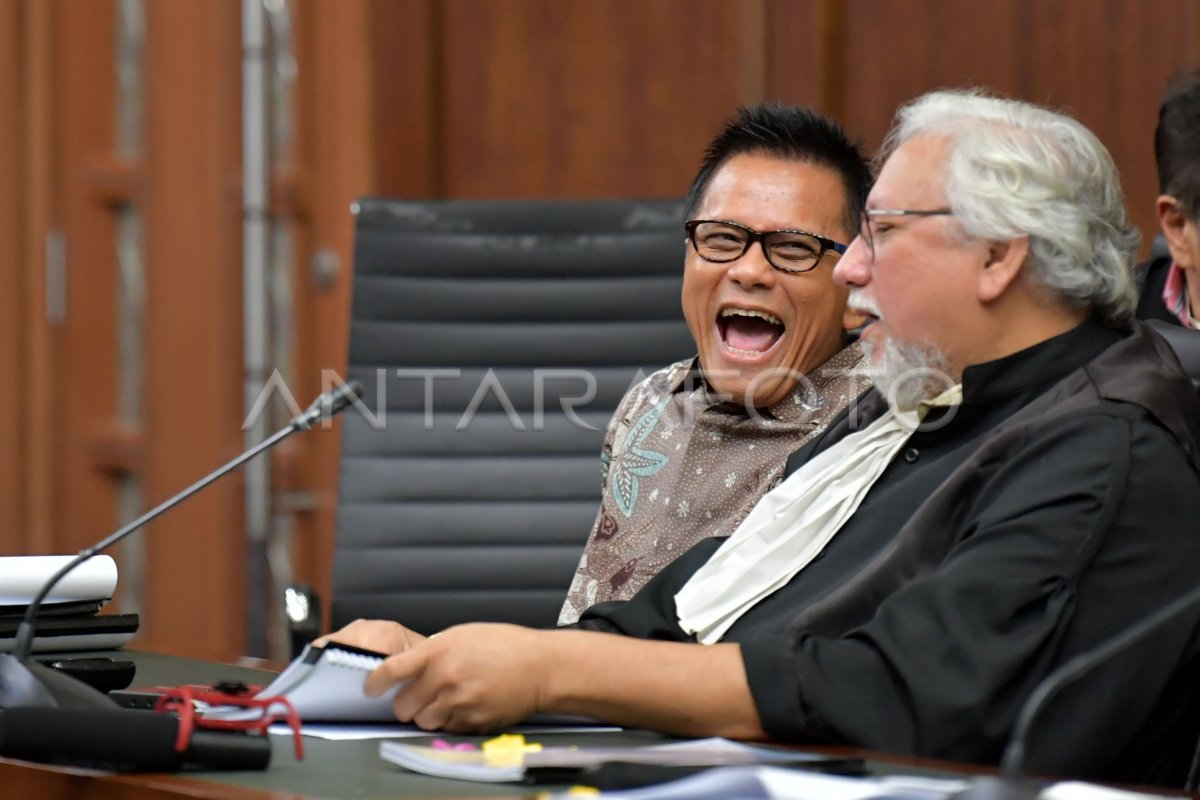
x=1020, y=486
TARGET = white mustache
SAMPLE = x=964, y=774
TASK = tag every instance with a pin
x=863, y=304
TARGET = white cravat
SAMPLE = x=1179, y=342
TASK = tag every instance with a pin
x=793, y=523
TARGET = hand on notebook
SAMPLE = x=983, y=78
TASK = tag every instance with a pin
x=382, y=636
x=469, y=678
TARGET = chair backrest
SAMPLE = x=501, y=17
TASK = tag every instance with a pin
x=494, y=339
x=1185, y=343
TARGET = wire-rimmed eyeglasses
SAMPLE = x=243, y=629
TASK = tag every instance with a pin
x=791, y=251
x=870, y=229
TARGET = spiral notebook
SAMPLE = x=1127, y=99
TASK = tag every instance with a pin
x=325, y=684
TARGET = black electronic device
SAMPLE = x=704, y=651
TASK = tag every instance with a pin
x=27, y=686
x=102, y=674
x=140, y=699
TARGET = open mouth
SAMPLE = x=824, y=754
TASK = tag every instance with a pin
x=749, y=332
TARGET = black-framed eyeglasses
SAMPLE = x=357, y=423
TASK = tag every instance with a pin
x=869, y=229
x=793, y=251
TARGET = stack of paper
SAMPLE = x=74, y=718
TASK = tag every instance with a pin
x=22, y=577
x=324, y=683
x=493, y=767
x=777, y=783
x=67, y=618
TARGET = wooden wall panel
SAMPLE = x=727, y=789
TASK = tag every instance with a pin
x=194, y=590
x=12, y=292
x=1104, y=61
x=406, y=95
x=38, y=356
x=805, y=42
x=1107, y=63
x=27, y=412
x=336, y=130
x=894, y=50
x=84, y=400
x=614, y=98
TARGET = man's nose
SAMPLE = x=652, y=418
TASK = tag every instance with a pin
x=854, y=267
x=752, y=268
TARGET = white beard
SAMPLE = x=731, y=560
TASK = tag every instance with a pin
x=906, y=373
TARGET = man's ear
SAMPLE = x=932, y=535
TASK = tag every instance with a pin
x=1004, y=263
x=1175, y=222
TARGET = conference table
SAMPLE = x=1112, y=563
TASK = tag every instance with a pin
x=330, y=769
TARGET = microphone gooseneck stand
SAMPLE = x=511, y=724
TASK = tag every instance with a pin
x=27, y=685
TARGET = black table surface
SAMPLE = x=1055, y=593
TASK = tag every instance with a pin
x=350, y=769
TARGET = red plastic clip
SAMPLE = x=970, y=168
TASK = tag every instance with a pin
x=182, y=700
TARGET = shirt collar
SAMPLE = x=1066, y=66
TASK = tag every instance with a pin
x=1176, y=299
x=1046, y=362
x=805, y=397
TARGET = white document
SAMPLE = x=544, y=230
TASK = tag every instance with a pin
x=22, y=577
x=1077, y=790
x=324, y=684
x=777, y=783
x=348, y=732
x=480, y=765
x=463, y=765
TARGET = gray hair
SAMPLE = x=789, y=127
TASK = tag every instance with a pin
x=1017, y=169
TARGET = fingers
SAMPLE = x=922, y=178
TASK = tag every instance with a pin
x=424, y=706
x=420, y=699
x=382, y=636
x=399, y=668
x=429, y=697
x=468, y=679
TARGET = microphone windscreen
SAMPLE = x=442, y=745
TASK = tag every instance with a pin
x=122, y=741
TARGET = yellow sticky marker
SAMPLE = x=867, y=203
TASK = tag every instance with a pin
x=574, y=791
x=507, y=750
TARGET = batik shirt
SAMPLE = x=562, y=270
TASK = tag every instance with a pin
x=680, y=465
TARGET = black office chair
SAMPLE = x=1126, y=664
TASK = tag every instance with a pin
x=1185, y=343
x=494, y=340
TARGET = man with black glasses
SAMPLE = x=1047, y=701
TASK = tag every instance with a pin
x=693, y=447
x=1019, y=487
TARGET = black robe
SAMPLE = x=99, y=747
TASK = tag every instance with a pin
x=1057, y=505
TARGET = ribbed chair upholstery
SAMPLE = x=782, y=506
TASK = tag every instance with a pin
x=497, y=338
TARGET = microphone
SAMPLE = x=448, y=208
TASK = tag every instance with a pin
x=27, y=684
x=1009, y=785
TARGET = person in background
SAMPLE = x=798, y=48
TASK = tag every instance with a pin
x=1017, y=488
x=693, y=447
x=1171, y=282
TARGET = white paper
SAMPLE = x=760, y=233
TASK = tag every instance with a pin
x=777, y=783
x=342, y=732
x=323, y=685
x=463, y=765
x=1077, y=790
x=714, y=751
x=478, y=765
x=22, y=577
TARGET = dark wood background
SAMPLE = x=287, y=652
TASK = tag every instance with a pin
x=416, y=98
